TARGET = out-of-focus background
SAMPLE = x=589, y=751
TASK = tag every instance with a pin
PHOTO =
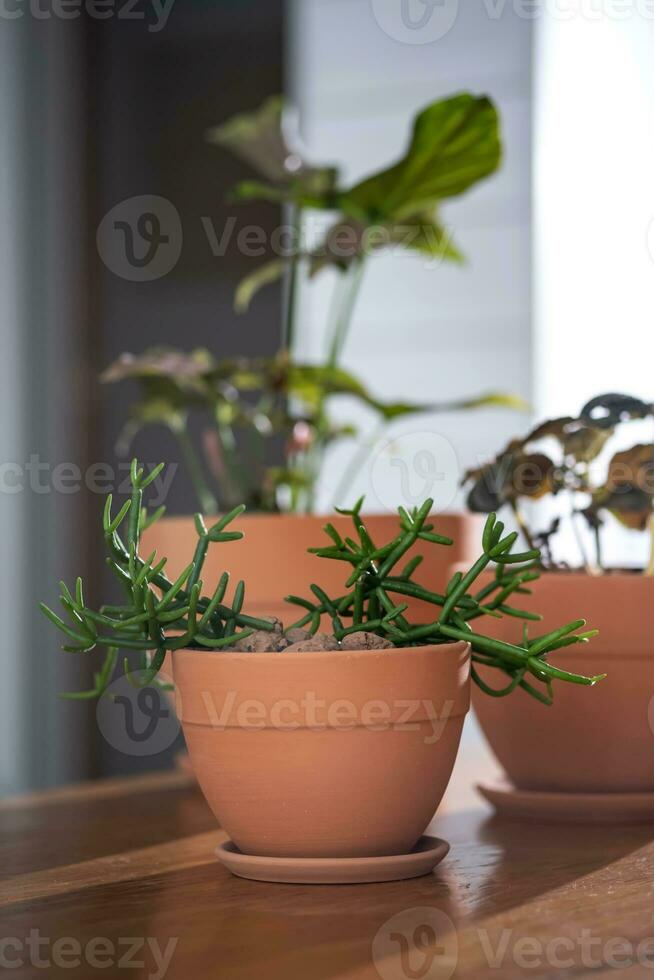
x=104, y=102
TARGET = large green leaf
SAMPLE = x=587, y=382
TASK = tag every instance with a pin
x=455, y=143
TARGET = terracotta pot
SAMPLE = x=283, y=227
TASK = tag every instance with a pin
x=324, y=754
x=598, y=739
x=272, y=558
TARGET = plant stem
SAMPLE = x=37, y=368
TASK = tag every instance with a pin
x=291, y=279
x=207, y=501
x=579, y=540
x=522, y=524
x=598, y=549
x=236, y=476
x=346, y=297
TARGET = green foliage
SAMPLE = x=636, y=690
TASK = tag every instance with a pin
x=260, y=139
x=528, y=469
x=455, y=143
x=251, y=407
x=374, y=585
x=158, y=614
x=262, y=401
x=161, y=615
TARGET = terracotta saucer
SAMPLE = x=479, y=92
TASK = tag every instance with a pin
x=569, y=807
x=428, y=852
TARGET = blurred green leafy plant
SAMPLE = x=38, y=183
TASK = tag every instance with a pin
x=160, y=615
x=569, y=456
x=250, y=407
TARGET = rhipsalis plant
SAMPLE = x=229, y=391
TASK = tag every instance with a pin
x=158, y=614
x=370, y=601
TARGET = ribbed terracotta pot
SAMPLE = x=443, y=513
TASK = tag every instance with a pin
x=273, y=562
x=334, y=754
x=598, y=739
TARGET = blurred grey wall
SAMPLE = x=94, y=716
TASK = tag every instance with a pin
x=46, y=418
x=158, y=93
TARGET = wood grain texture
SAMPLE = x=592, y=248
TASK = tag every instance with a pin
x=514, y=899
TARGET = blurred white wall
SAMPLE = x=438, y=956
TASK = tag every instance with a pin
x=423, y=333
x=594, y=222
x=593, y=205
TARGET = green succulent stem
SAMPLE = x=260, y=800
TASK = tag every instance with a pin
x=160, y=614
x=369, y=607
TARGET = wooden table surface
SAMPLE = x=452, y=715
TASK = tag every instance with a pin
x=99, y=878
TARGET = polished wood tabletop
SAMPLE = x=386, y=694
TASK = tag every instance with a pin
x=118, y=878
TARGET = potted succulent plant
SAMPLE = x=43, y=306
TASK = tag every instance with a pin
x=324, y=756
x=584, y=488
x=250, y=407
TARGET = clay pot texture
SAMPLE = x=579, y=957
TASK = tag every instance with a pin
x=324, y=754
x=273, y=562
x=592, y=739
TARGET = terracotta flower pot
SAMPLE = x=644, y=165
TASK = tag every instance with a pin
x=598, y=739
x=324, y=754
x=272, y=558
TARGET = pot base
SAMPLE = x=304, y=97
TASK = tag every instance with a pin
x=596, y=808
x=428, y=852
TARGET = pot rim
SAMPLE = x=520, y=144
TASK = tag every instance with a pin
x=333, y=676
x=319, y=655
